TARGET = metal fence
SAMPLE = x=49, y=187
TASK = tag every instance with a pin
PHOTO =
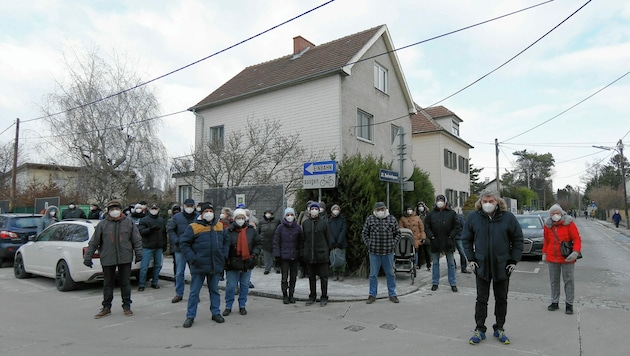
x=257, y=198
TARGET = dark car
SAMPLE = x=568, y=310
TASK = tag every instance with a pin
x=532, y=226
x=15, y=230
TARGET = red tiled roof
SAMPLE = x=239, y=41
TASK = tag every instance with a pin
x=324, y=59
x=423, y=121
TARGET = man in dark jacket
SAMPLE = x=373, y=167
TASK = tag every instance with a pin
x=338, y=231
x=153, y=233
x=493, y=242
x=441, y=226
x=117, y=240
x=95, y=212
x=316, y=253
x=266, y=229
x=73, y=212
x=205, y=246
x=175, y=228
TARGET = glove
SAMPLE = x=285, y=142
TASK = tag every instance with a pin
x=572, y=257
x=138, y=259
x=510, y=268
x=88, y=263
x=473, y=266
x=544, y=257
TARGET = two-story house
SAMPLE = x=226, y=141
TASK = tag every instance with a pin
x=343, y=97
x=440, y=151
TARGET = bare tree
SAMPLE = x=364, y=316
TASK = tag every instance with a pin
x=113, y=138
x=259, y=154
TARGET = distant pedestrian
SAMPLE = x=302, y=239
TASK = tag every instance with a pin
x=51, y=216
x=153, y=233
x=95, y=212
x=338, y=231
x=463, y=262
x=266, y=229
x=380, y=235
x=424, y=250
x=117, y=240
x=441, y=226
x=616, y=218
x=413, y=222
x=288, y=247
x=316, y=253
x=493, y=241
x=73, y=212
x=559, y=228
x=176, y=228
x=137, y=213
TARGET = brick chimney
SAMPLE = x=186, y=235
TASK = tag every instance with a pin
x=300, y=43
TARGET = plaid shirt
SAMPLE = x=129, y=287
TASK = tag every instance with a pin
x=380, y=235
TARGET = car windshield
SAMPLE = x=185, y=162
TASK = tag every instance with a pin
x=27, y=222
x=530, y=222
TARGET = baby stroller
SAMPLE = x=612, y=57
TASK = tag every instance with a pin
x=405, y=254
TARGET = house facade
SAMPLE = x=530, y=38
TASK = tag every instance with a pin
x=439, y=150
x=343, y=97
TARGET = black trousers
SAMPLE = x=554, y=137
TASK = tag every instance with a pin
x=109, y=280
x=321, y=270
x=289, y=270
x=500, y=302
x=424, y=255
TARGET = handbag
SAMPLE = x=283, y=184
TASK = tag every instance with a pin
x=337, y=257
x=566, y=247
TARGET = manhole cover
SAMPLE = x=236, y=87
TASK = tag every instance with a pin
x=354, y=328
x=389, y=326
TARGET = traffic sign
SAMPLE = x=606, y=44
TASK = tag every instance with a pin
x=388, y=176
x=316, y=168
x=319, y=181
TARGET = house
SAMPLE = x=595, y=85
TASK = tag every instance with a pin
x=439, y=150
x=343, y=97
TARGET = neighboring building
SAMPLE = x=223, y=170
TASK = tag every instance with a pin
x=343, y=97
x=439, y=150
x=65, y=177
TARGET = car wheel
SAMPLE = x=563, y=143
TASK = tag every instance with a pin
x=63, y=280
x=18, y=268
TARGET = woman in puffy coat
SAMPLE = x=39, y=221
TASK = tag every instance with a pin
x=560, y=227
x=288, y=245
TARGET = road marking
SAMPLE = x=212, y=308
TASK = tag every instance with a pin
x=536, y=270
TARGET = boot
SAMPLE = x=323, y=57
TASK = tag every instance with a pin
x=285, y=297
x=291, y=299
x=336, y=276
x=340, y=276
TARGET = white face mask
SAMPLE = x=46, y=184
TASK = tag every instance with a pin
x=380, y=214
x=335, y=212
x=115, y=213
x=439, y=204
x=488, y=207
x=189, y=210
x=71, y=206
x=409, y=212
x=314, y=212
x=421, y=208
x=153, y=212
x=52, y=213
x=138, y=211
x=199, y=209
x=556, y=217
x=239, y=222
x=290, y=218
x=222, y=216
x=268, y=216
x=209, y=216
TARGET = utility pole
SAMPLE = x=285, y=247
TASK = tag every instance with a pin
x=14, y=170
x=623, y=182
x=496, y=147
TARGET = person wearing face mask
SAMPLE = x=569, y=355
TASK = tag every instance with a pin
x=441, y=226
x=50, y=217
x=245, y=247
x=338, y=231
x=205, y=245
x=411, y=221
x=558, y=228
x=176, y=228
x=381, y=234
x=117, y=240
x=153, y=233
x=424, y=251
x=266, y=229
x=137, y=213
x=73, y=212
x=288, y=247
x=493, y=242
x=226, y=216
x=316, y=253
x=95, y=212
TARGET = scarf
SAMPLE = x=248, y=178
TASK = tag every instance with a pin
x=242, y=248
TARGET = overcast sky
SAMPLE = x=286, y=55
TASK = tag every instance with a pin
x=517, y=104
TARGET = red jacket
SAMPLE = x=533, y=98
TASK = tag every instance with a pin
x=567, y=231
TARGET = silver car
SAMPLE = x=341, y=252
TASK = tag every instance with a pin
x=533, y=236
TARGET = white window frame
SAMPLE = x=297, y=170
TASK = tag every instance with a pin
x=365, y=126
x=217, y=132
x=381, y=78
x=184, y=192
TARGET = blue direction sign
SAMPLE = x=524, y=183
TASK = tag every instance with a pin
x=388, y=176
x=316, y=168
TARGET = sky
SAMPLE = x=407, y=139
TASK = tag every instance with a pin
x=555, y=97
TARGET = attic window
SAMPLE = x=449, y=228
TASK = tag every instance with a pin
x=298, y=55
x=455, y=129
x=381, y=78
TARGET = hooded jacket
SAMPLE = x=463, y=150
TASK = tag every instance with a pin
x=338, y=230
x=205, y=246
x=566, y=230
x=117, y=240
x=47, y=219
x=414, y=223
x=493, y=241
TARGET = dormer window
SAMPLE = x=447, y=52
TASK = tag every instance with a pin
x=455, y=129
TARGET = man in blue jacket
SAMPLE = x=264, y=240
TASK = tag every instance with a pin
x=205, y=246
x=175, y=228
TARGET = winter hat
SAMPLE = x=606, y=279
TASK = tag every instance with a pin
x=189, y=202
x=289, y=211
x=378, y=205
x=335, y=207
x=322, y=205
x=556, y=207
x=176, y=208
x=114, y=203
x=441, y=197
x=239, y=211
x=313, y=205
x=138, y=206
x=240, y=206
x=206, y=205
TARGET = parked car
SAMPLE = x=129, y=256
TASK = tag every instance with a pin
x=15, y=230
x=58, y=253
x=532, y=226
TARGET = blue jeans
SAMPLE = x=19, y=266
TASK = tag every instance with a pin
x=450, y=262
x=195, y=287
x=387, y=262
x=180, y=278
x=147, y=255
x=233, y=278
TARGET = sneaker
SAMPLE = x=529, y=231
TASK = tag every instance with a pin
x=242, y=311
x=103, y=313
x=127, y=312
x=434, y=287
x=394, y=299
x=155, y=286
x=176, y=299
x=310, y=301
x=140, y=289
x=466, y=271
x=454, y=289
x=477, y=337
x=370, y=300
x=188, y=323
x=251, y=285
x=553, y=306
x=500, y=334
x=323, y=301
x=266, y=272
x=569, y=309
x=218, y=318
x=227, y=312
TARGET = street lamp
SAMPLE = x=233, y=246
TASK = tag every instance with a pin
x=619, y=148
